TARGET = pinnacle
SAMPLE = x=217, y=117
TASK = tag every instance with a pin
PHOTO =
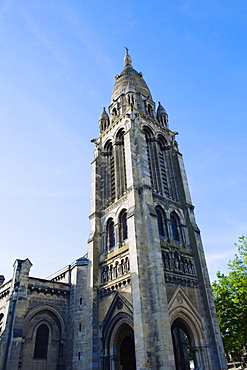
x=127, y=58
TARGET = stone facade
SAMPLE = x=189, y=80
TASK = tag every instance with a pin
x=57, y=302
x=142, y=297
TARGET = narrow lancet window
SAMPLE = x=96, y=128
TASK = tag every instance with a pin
x=120, y=164
x=151, y=156
x=123, y=229
x=41, y=342
x=110, y=234
x=108, y=174
x=160, y=219
x=174, y=227
x=163, y=166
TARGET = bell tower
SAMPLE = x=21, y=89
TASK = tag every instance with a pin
x=150, y=304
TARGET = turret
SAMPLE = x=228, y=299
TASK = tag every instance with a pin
x=103, y=120
x=162, y=116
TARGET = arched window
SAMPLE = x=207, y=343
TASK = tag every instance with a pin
x=174, y=226
x=41, y=342
x=151, y=156
x=161, y=223
x=123, y=229
x=163, y=165
x=114, y=113
x=110, y=234
x=120, y=164
x=108, y=174
x=1, y=321
x=150, y=110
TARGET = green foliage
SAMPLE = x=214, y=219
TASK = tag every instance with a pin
x=230, y=294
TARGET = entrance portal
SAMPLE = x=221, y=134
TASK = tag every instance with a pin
x=121, y=348
x=182, y=347
x=127, y=354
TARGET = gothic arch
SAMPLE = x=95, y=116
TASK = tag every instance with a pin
x=185, y=316
x=189, y=320
x=182, y=345
x=119, y=347
x=50, y=317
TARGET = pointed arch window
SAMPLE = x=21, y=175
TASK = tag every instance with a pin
x=160, y=219
x=163, y=165
x=120, y=164
x=175, y=226
x=110, y=232
x=123, y=228
x=41, y=341
x=108, y=174
x=151, y=156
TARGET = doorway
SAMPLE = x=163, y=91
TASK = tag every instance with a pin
x=182, y=347
x=127, y=353
x=121, y=347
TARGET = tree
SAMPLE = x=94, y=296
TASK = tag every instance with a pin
x=230, y=294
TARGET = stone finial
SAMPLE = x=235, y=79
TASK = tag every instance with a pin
x=127, y=58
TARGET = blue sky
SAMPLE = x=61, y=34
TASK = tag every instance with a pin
x=57, y=67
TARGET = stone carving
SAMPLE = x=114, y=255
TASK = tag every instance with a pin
x=114, y=270
x=178, y=262
x=180, y=299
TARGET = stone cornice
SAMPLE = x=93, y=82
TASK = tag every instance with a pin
x=48, y=290
x=166, y=200
x=5, y=293
x=116, y=285
x=180, y=280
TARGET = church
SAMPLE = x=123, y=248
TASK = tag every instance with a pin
x=141, y=297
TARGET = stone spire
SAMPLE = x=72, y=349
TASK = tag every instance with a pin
x=128, y=79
